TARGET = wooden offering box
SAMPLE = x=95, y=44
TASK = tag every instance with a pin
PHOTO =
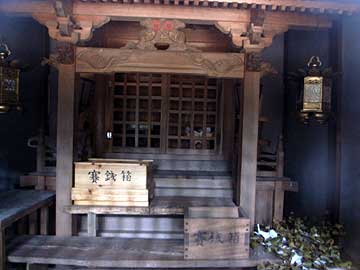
x=112, y=183
x=216, y=233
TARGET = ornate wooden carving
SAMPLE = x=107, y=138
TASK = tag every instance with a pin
x=216, y=67
x=227, y=65
x=161, y=34
x=253, y=62
x=64, y=55
x=255, y=35
x=63, y=11
x=70, y=29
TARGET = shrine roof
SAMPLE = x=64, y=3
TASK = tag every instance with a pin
x=339, y=7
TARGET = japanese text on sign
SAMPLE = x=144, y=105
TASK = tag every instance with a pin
x=94, y=176
x=202, y=238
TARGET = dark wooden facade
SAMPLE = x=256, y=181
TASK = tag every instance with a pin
x=190, y=93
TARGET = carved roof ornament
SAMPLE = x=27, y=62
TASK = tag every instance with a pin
x=161, y=34
x=253, y=36
x=65, y=27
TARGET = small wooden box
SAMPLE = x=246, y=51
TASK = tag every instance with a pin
x=216, y=233
x=112, y=183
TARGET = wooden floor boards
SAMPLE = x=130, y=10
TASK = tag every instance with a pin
x=92, y=252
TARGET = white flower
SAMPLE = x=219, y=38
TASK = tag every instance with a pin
x=296, y=259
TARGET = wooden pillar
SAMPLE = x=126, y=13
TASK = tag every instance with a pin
x=91, y=224
x=44, y=220
x=278, y=201
x=246, y=191
x=33, y=223
x=2, y=249
x=65, y=137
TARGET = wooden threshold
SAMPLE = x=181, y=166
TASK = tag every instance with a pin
x=116, y=253
x=168, y=206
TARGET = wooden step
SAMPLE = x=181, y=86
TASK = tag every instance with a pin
x=138, y=234
x=194, y=192
x=267, y=155
x=267, y=163
x=159, y=206
x=165, y=182
x=193, y=165
x=193, y=174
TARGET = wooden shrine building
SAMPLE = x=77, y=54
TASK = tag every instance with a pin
x=177, y=89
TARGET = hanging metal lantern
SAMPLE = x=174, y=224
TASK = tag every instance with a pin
x=315, y=95
x=9, y=82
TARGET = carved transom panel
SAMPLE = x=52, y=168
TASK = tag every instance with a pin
x=161, y=34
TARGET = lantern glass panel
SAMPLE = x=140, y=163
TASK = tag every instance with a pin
x=9, y=85
x=313, y=94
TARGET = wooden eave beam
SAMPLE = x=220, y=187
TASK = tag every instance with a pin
x=189, y=14
x=203, y=15
x=304, y=6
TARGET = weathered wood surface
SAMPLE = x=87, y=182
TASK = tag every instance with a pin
x=158, y=206
x=115, y=252
x=206, y=14
x=216, y=233
x=44, y=221
x=64, y=146
x=193, y=184
x=112, y=195
x=249, y=127
x=269, y=183
x=40, y=182
x=91, y=224
x=112, y=203
x=270, y=197
x=16, y=204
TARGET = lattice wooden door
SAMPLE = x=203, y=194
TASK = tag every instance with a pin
x=160, y=113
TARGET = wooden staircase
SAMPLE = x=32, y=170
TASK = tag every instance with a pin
x=179, y=183
x=193, y=184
